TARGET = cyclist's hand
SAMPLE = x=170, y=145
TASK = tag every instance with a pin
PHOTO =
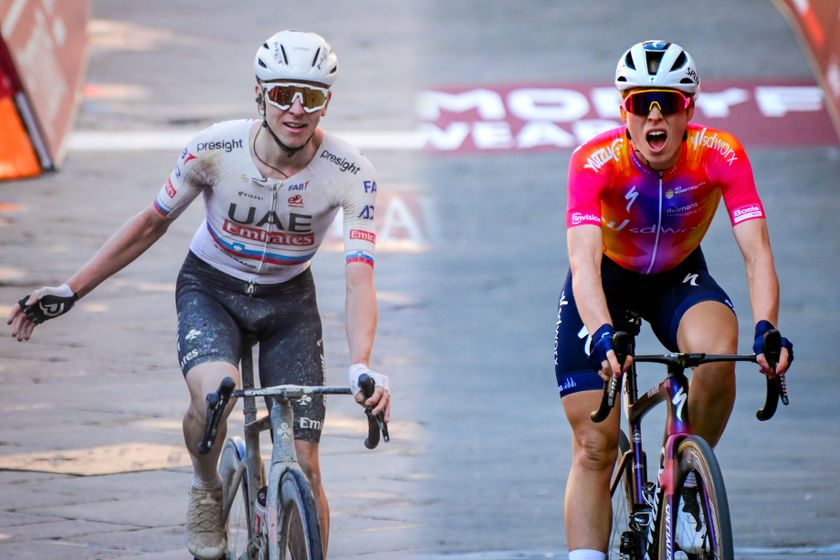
x=786, y=357
x=41, y=305
x=380, y=401
x=601, y=355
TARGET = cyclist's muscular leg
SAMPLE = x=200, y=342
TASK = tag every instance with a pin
x=587, y=506
x=310, y=462
x=710, y=327
x=202, y=379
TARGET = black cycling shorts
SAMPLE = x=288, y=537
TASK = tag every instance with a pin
x=215, y=316
x=660, y=299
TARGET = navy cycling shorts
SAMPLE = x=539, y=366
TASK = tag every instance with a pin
x=215, y=316
x=660, y=299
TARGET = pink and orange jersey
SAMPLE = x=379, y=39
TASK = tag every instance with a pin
x=650, y=220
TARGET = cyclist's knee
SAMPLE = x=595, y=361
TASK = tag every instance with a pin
x=594, y=450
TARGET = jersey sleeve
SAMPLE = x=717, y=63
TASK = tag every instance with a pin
x=734, y=173
x=585, y=182
x=358, y=205
x=183, y=185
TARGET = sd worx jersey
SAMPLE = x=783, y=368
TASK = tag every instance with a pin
x=262, y=230
x=651, y=220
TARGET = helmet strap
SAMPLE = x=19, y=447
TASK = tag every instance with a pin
x=288, y=149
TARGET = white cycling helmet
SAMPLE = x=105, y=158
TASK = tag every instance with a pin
x=657, y=64
x=296, y=55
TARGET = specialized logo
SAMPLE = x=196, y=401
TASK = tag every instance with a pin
x=631, y=197
x=679, y=402
x=343, y=164
x=296, y=201
x=260, y=235
x=601, y=157
x=691, y=279
x=368, y=236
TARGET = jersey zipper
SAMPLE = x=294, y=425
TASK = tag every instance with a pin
x=252, y=284
x=658, y=227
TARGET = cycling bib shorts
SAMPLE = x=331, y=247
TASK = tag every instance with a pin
x=660, y=299
x=215, y=316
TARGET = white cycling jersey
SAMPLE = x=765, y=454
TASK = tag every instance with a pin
x=267, y=230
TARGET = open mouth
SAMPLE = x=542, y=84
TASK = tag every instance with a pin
x=656, y=139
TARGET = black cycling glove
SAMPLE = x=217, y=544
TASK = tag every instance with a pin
x=602, y=342
x=51, y=303
x=758, y=344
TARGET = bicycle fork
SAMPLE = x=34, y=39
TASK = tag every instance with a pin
x=283, y=458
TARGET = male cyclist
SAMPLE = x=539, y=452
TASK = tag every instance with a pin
x=640, y=199
x=271, y=189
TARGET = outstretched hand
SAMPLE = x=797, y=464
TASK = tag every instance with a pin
x=41, y=305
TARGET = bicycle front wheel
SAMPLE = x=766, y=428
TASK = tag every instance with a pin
x=622, y=505
x=239, y=522
x=299, y=533
x=712, y=537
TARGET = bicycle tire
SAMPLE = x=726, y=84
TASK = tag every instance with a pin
x=694, y=454
x=298, y=504
x=239, y=522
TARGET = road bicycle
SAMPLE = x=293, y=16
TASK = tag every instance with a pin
x=274, y=517
x=645, y=512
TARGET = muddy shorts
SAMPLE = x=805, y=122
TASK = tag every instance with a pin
x=216, y=317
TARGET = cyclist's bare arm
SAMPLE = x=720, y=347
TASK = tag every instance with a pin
x=754, y=242
x=124, y=246
x=585, y=246
x=362, y=316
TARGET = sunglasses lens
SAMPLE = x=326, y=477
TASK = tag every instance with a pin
x=643, y=102
x=283, y=96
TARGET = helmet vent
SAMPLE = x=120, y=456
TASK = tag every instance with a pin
x=315, y=58
x=285, y=58
x=686, y=81
x=653, y=60
x=628, y=61
x=680, y=62
x=261, y=63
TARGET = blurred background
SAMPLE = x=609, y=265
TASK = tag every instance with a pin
x=469, y=112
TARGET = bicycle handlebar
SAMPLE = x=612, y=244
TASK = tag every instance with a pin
x=376, y=422
x=776, y=384
x=218, y=400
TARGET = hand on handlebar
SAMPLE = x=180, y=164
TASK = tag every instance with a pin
x=39, y=306
x=785, y=358
x=380, y=401
x=602, y=356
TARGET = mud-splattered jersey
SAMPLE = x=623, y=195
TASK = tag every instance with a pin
x=267, y=230
x=650, y=220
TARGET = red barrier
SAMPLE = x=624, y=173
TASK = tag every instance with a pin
x=817, y=23
x=43, y=52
